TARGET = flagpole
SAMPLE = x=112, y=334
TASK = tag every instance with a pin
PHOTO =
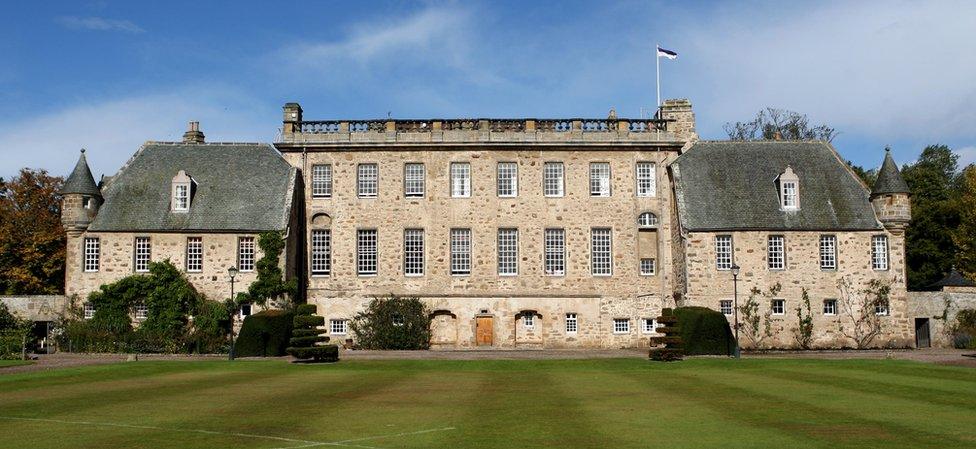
x=657, y=59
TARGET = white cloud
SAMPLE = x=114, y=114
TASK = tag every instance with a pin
x=967, y=155
x=99, y=24
x=113, y=130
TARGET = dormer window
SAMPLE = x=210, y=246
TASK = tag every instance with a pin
x=86, y=202
x=789, y=190
x=182, y=192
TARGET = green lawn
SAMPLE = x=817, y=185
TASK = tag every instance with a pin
x=6, y=363
x=704, y=403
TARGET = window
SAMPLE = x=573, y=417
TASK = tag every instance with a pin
x=572, y=325
x=143, y=250
x=321, y=181
x=552, y=179
x=507, y=179
x=91, y=254
x=830, y=307
x=776, y=252
x=338, y=327
x=646, y=181
x=601, y=263
x=86, y=202
x=181, y=197
x=723, y=252
x=88, y=310
x=881, y=308
x=366, y=252
x=367, y=180
x=413, y=180
x=779, y=306
x=647, y=220
x=647, y=267
x=141, y=311
x=507, y=252
x=413, y=252
x=649, y=325
x=245, y=310
x=460, y=251
x=725, y=306
x=528, y=320
x=194, y=254
x=321, y=252
x=555, y=252
x=600, y=179
x=879, y=252
x=245, y=253
x=621, y=325
x=789, y=188
x=789, y=195
x=460, y=179
x=828, y=252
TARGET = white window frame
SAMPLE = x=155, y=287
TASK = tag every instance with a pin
x=601, y=252
x=367, y=252
x=649, y=325
x=553, y=179
x=320, y=259
x=245, y=254
x=321, y=181
x=414, y=180
x=528, y=321
x=648, y=266
x=140, y=311
x=571, y=323
x=776, y=252
x=507, y=173
x=338, y=326
x=724, y=250
x=181, y=197
x=600, y=179
x=460, y=251
x=790, y=195
x=830, y=307
x=88, y=310
x=92, y=254
x=368, y=180
x=781, y=303
x=726, y=307
x=882, y=308
x=646, y=175
x=460, y=180
x=828, y=252
x=621, y=326
x=508, y=251
x=879, y=253
x=413, y=252
x=141, y=254
x=647, y=220
x=554, y=258
x=194, y=254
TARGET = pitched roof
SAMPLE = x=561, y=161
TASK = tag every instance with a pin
x=81, y=180
x=238, y=187
x=889, y=178
x=954, y=279
x=732, y=185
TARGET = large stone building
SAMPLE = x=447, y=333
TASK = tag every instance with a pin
x=517, y=233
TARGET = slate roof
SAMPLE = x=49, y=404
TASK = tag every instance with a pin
x=238, y=187
x=889, y=178
x=954, y=279
x=731, y=185
x=81, y=180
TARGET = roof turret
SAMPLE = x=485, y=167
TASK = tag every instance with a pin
x=81, y=179
x=889, y=178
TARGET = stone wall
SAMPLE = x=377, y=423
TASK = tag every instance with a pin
x=941, y=308
x=36, y=307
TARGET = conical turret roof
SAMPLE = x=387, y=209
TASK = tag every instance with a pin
x=889, y=178
x=81, y=179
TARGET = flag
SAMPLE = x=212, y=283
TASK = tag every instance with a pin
x=666, y=53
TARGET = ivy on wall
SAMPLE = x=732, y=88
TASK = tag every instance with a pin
x=270, y=284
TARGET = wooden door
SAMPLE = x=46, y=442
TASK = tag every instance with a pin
x=922, y=334
x=484, y=331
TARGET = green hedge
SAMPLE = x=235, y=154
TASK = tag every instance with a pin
x=264, y=334
x=704, y=331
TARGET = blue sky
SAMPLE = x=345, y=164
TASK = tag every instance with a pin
x=109, y=75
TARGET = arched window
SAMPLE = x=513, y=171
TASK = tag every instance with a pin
x=647, y=220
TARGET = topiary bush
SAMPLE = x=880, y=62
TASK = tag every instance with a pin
x=306, y=336
x=265, y=334
x=393, y=322
x=670, y=349
x=704, y=331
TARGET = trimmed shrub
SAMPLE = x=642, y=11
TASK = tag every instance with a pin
x=704, y=331
x=306, y=336
x=393, y=322
x=671, y=350
x=264, y=334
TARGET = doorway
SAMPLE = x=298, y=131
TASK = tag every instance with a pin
x=484, y=331
x=922, y=336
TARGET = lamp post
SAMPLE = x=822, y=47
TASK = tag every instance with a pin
x=232, y=272
x=735, y=309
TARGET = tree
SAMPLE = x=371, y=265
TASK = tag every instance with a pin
x=757, y=327
x=964, y=236
x=393, y=322
x=15, y=333
x=306, y=336
x=779, y=124
x=803, y=332
x=860, y=307
x=32, y=241
x=933, y=181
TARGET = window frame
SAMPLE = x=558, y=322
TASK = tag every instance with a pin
x=246, y=242
x=511, y=176
x=194, y=254
x=882, y=308
x=87, y=310
x=642, y=268
x=773, y=306
x=322, y=182
x=528, y=321
x=771, y=256
x=91, y=254
x=647, y=220
x=460, y=251
x=507, y=256
x=880, y=255
x=320, y=253
x=364, y=254
x=653, y=326
x=721, y=264
x=597, y=178
x=410, y=256
x=649, y=179
x=550, y=176
x=364, y=171
x=181, y=197
x=833, y=307
x=605, y=255
x=621, y=326
x=554, y=251
x=573, y=318
x=722, y=303
x=790, y=189
x=141, y=254
x=338, y=326
x=408, y=182
x=460, y=179
x=828, y=254
x=140, y=311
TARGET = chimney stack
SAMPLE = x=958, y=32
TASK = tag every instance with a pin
x=193, y=134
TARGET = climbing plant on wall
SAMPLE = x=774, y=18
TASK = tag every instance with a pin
x=270, y=284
